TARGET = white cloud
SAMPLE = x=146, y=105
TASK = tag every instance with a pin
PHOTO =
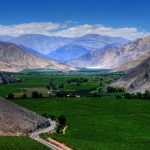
x=69, y=29
x=129, y=33
x=30, y=28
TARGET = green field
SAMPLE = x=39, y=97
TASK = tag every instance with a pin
x=99, y=123
x=37, y=81
x=20, y=143
x=104, y=123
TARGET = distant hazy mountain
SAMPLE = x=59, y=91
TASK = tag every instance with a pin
x=96, y=41
x=136, y=79
x=68, y=52
x=65, y=49
x=82, y=45
x=113, y=57
x=102, y=58
x=13, y=58
x=4, y=38
x=41, y=43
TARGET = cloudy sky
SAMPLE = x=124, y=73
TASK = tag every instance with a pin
x=72, y=18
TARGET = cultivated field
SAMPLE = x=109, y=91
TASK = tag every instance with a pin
x=99, y=123
x=20, y=143
x=94, y=123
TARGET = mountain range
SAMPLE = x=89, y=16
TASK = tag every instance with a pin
x=90, y=50
x=66, y=49
x=112, y=56
x=13, y=58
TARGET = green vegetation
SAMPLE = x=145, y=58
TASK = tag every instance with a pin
x=20, y=143
x=95, y=120
x=40, y=83
x=103, y=123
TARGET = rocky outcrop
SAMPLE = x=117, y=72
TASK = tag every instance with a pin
x=16, y=120
x=113, y=57
x=136, y=79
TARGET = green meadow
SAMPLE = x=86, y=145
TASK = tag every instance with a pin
x=104, y=123
x=98, y=123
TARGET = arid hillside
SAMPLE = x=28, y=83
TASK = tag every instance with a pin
x=16, y=120
x=14, y=58
x=136, y=79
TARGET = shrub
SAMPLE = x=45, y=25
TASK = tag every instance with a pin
x=24, y=96
x=118, y=96
x=127, y=95
x=115, y=89
x=35, y=94
x=62, y=120
x=11, y=96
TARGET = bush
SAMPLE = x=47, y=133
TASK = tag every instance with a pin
x=24, y=96
x=127, y=96
x=146, y=95
x=95, y=95
x=11, y=96
x=118, y=96
x=115, y=89
x=62, y=120
x=35, y=94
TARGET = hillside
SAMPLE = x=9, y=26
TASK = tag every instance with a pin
x=112, y=57
x=136, y=79
x=16, y=120
x=132, y=64
x=13, y=58
x=101, y=58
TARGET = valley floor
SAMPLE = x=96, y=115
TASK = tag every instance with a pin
x=99, y=123
x=104, y=123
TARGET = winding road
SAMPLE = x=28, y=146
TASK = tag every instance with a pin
x=35, y=136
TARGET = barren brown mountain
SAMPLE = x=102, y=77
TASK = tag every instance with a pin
x=13, y=58
x=136, y=79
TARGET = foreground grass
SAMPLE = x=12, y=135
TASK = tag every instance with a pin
x=99, y=123
x=20, y=143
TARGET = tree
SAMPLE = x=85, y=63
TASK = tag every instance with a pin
x=61, y=86
x=146, y=95
x=48, y=87
x=35, y=94
x=127, y=95
x=24, y=96
x=62, y=120
x=10, y=96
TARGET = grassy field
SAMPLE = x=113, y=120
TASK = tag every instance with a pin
x=103, y=123
x=34, y=81
x=20, y=143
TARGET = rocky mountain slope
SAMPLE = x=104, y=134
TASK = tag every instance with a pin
x=136, y=79
x=13, y=58
x=16, y=120
x=98, y=58
x=132, y=64
x=112, y=57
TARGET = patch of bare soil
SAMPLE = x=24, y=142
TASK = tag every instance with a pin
x=16, y=120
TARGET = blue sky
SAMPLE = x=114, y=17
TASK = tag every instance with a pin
x=111, y=14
